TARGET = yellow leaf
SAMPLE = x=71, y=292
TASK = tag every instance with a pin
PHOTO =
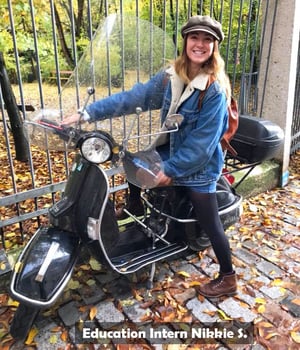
x=95, y=265
x=271, y=335
x=183, y=273
x=53, y=339
x=127, y=302
x=90, y=282
x=282, y=291
x=181, y=309
x=277, y=282
x=260, y=301
x=296, y=337
x=18, y=266
x=137, y=296
x=93, y=312
x=296, y=301
x=261, y=309
x=194, y=283
x=33, y=332
x=11, y=302
x=224, y=316
x=73, y=284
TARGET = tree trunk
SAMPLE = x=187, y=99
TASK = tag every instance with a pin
x=61, y=37
x=16, y=123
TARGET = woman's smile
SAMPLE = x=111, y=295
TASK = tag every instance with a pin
x=199, y=47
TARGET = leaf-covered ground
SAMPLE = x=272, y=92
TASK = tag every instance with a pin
x=268, y=233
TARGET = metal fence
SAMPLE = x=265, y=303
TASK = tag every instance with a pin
x=295, y=143
x=22, y=207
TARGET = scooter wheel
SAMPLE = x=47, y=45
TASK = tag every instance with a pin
x=23, y=321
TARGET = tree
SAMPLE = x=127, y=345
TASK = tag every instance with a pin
x=21, y=145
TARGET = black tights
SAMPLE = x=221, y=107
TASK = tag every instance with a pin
x=206, y=210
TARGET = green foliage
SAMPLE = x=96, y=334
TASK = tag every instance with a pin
x=239, y=25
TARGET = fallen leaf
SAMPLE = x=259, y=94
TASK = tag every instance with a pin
x=93, y=312
x=64, y=336
x=95, y=265
x=260, y=301
x=184, y=274
x=261, y=309
x=296, y=301
x=296, y=337
x=33, y=332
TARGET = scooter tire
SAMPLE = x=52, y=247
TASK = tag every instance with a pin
x=23, y=320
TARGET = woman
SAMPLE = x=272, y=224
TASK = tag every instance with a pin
x=195, y=155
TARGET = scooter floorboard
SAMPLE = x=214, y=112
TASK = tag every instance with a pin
x=132, y=262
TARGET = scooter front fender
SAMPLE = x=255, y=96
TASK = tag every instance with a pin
x=44, y=267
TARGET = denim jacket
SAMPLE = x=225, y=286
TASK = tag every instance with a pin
x=196, y=156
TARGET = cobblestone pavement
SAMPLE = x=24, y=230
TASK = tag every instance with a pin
x=266, y=254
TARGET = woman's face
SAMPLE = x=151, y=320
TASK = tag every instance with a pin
x=199, y=48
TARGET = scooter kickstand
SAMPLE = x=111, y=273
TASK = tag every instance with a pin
x=151, y=277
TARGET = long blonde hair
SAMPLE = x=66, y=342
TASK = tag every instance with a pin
x=215, y=65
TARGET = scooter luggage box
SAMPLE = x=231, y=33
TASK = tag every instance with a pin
x=256, y=139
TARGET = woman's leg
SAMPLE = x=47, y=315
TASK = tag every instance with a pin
x=134, y=203
x=206, y=210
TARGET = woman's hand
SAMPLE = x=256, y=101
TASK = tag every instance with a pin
x=148, y=180
x=162, y=179
x=74, y=118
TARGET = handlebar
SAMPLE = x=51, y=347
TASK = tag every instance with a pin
x=64, y=132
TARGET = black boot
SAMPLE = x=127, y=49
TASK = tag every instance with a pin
x=135, y=207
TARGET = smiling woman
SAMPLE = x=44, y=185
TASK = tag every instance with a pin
x=192, y=157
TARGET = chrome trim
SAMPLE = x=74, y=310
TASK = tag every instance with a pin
x=46, y=263
x=222, y=212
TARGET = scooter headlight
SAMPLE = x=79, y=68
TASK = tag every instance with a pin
x=96, y=149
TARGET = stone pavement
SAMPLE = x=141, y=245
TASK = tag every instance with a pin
x=266, y=254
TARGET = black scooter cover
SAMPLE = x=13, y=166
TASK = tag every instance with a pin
x=39, y=286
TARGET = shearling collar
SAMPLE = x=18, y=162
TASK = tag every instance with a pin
x=199, y=82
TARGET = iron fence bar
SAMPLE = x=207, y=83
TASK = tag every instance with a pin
x=251, y=70
x=243, y=98
x=19, y=74
x=229, y=35
x=9, y=154
x=33, y=193
x=35, y=41
x=38, y=192
x=295, y=137
x=268, y=62
x=237, y=46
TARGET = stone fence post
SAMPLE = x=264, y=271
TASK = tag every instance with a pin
x=277, y=76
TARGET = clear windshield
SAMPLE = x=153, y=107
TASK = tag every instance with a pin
x=124, y=50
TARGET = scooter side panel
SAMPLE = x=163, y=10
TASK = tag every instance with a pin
x=86, y=196
x=45, y=267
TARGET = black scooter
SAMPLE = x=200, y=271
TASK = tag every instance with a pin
x=85, y=216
